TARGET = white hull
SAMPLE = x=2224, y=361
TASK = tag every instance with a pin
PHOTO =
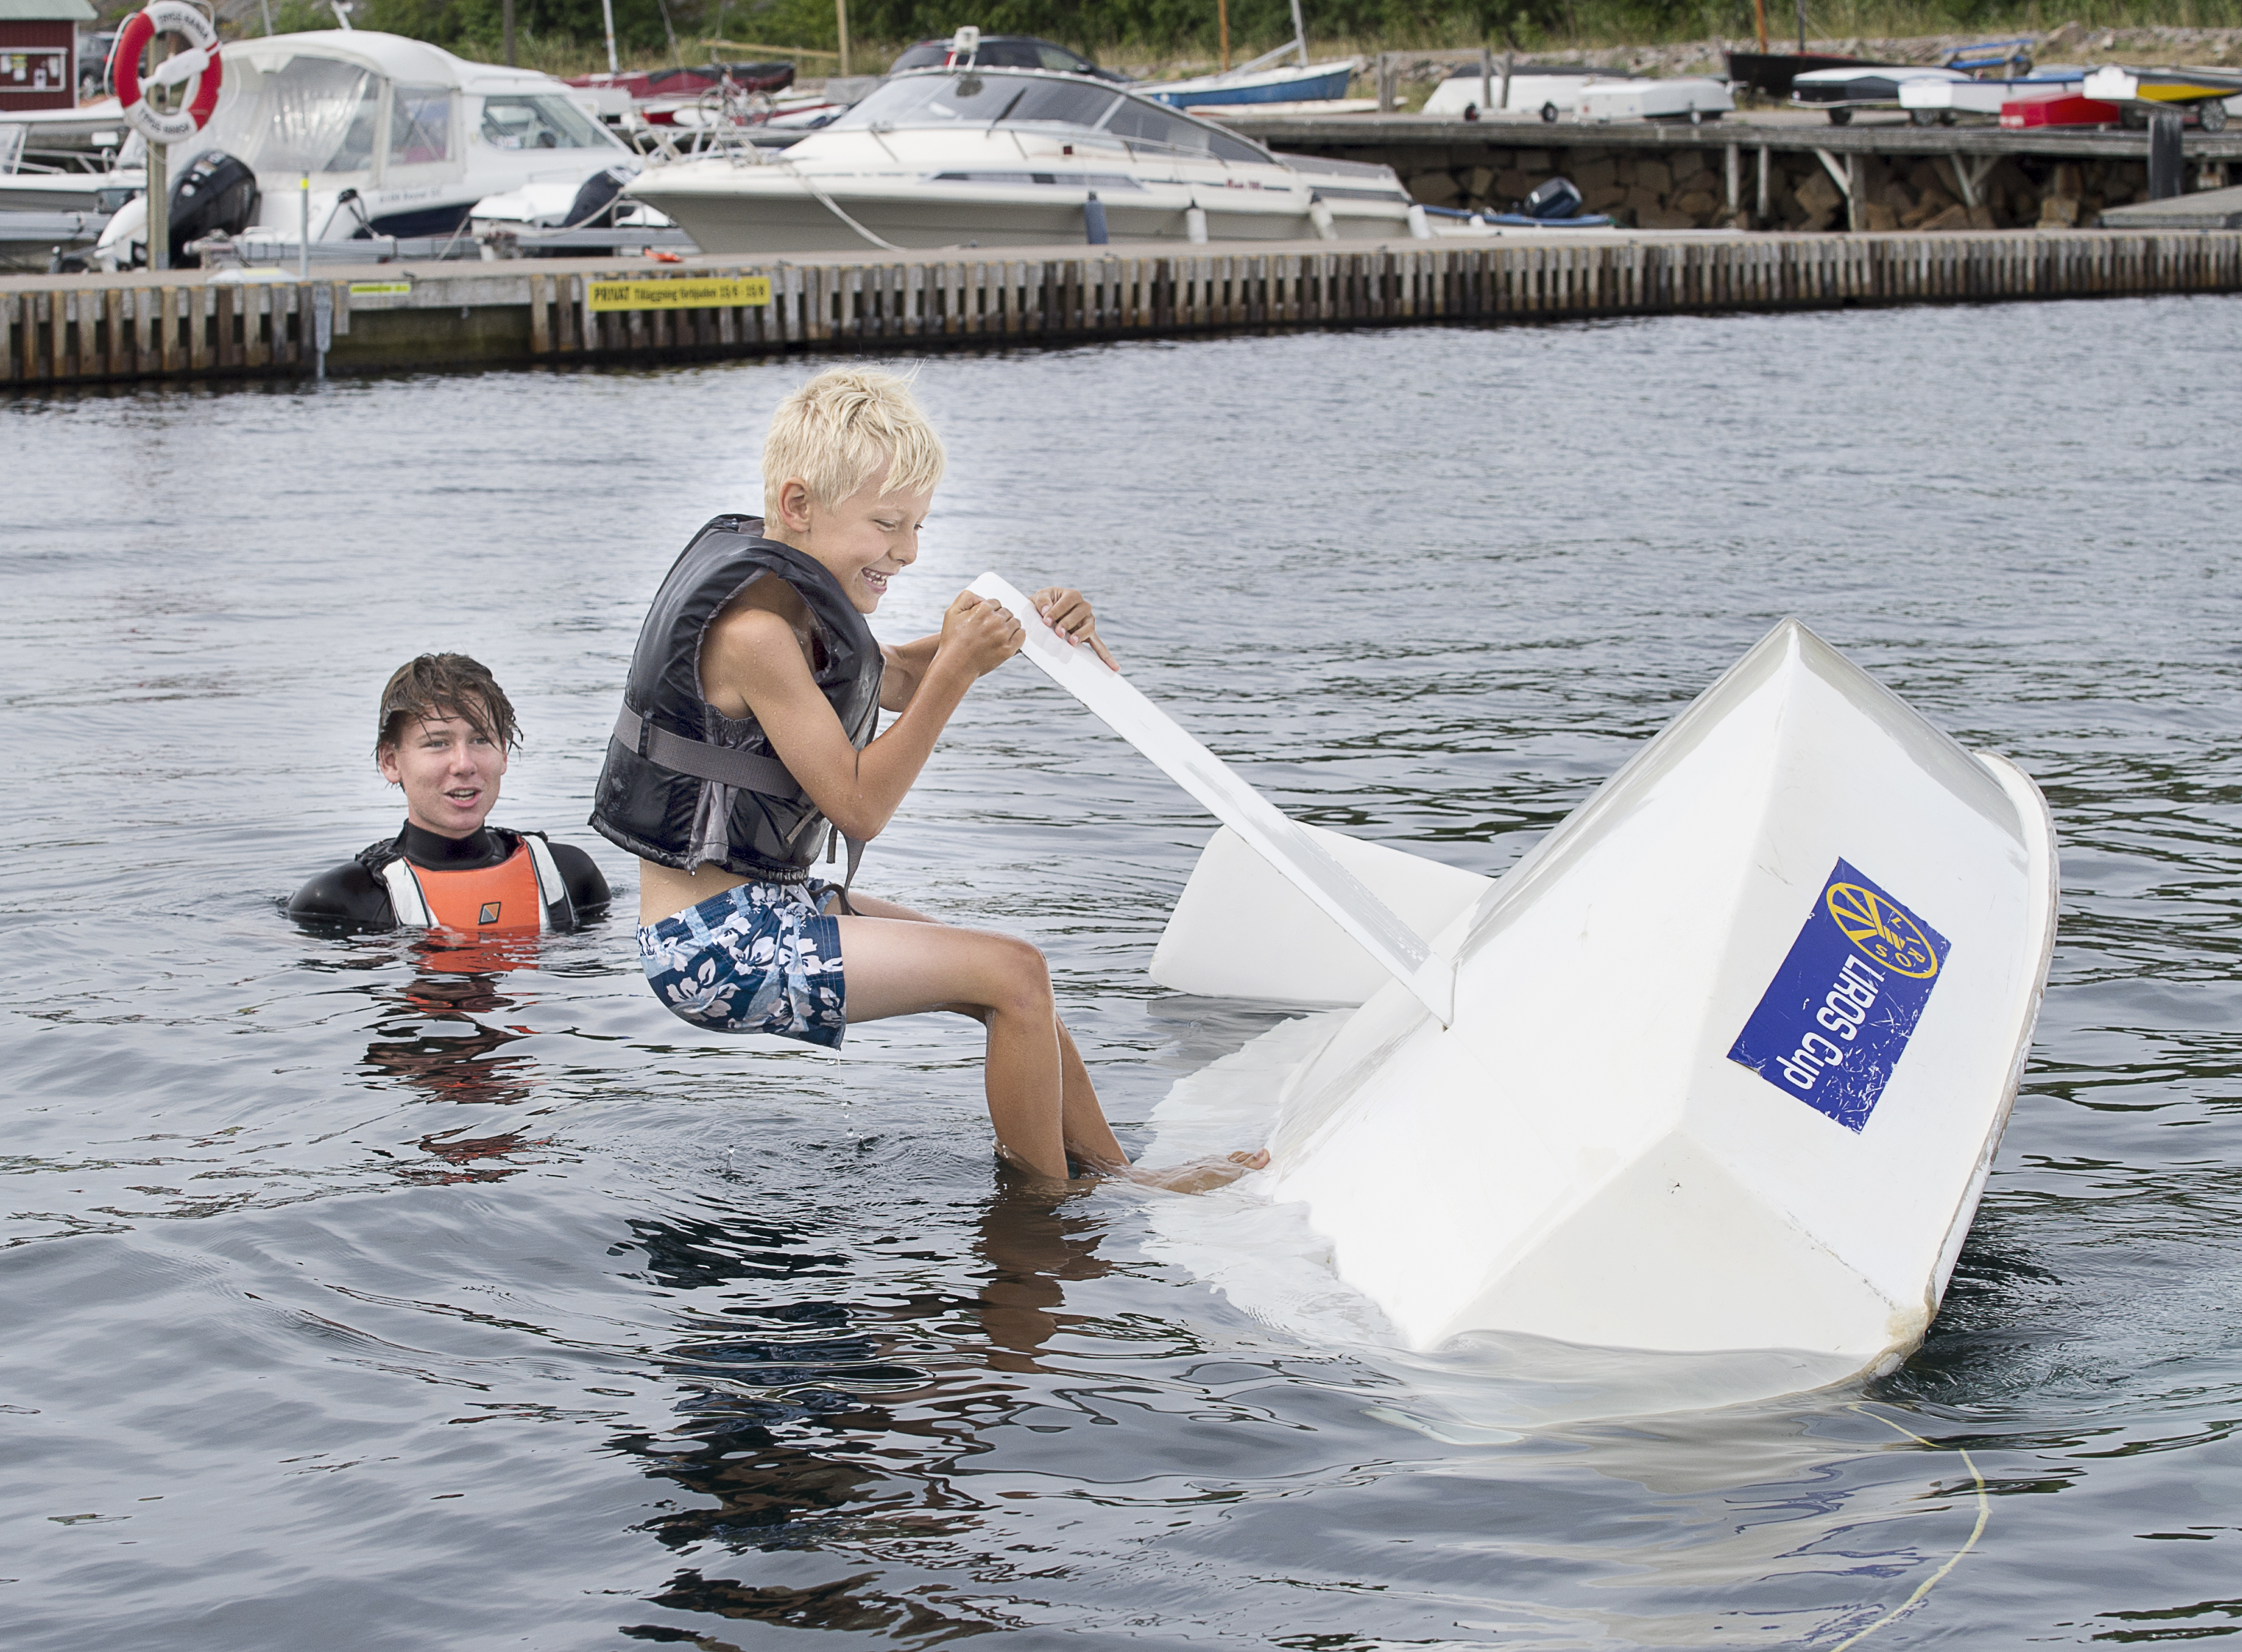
x=1719, y=1066
x=1676, y=99
x=773, y=212
x=1582, y=1157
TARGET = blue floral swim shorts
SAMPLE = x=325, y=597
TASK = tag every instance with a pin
x=759, y=957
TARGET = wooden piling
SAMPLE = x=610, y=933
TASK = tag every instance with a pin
x=57, y=330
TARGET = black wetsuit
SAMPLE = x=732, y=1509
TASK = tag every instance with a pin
x=353, y=896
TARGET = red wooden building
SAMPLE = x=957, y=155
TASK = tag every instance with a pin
x=39, y=53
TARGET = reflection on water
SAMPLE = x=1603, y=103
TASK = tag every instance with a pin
x=643, y=1335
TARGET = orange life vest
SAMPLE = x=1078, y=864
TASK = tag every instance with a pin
x=515, y=895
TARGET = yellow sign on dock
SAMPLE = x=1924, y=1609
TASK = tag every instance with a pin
x=676, y=294
x=381, y=289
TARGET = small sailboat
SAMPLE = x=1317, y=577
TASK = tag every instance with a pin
x=1265, y=80
x=1720, y=1066
x=2138, y=91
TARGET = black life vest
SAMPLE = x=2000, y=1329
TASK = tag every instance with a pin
x=686, y=786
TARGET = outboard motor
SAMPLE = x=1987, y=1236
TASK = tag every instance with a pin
x=216, y=195
x=1555, y=199
x=594, y=205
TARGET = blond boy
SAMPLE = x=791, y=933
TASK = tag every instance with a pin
x=749, y=740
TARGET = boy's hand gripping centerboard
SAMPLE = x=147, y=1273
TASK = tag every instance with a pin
x=1274, y=837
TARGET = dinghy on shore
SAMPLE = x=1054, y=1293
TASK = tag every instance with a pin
x=1720, y=1066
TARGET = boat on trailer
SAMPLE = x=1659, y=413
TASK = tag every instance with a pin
x=1719, y=1066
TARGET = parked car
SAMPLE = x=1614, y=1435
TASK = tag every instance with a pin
x=1007, y=51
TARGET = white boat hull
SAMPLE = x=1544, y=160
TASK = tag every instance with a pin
x=1583, y=1154
x=1681, y=99
x=755, y=211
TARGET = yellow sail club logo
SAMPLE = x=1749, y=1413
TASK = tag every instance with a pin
x=1879, y=928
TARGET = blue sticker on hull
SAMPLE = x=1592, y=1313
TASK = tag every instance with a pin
x=1836, y=1019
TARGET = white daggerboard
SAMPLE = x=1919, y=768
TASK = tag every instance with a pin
x=1279, y=840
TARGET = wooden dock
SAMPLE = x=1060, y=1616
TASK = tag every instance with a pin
x=74, y=329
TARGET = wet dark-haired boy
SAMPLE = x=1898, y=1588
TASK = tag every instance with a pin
x=446, y=730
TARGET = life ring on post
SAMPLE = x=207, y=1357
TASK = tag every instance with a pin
x=199, y=62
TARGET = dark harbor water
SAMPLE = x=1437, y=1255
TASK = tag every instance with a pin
x=353, y=1300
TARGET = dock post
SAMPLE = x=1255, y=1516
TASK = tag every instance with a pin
x=1765, y=207
x=2164, y=159
x=1733, y=177
x=322, y=326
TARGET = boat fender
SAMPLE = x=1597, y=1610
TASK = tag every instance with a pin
x=1420, y=228
x=1093, y=220
x=1195, y=225
x=1319, y=214
x=199, y=62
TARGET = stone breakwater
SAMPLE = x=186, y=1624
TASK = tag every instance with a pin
x=1687, y=188
x=2072, y=43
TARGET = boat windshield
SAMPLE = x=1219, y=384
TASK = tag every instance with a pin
x=540, y=121
x=972, y=98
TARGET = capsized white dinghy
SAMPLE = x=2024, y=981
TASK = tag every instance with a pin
x=1728, y=1054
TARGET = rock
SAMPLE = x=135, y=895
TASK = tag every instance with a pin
x=1435, y=189
x=1935, y=201
x=1980, y=217
x=1818, y=195
x=1641, y=200
x=1654, y=175
x=1817, y=222
x=1696, y=204
x=2059, y=212
x=1663, y=217
x=1598, y=174
x=1954, y=218
x=1478, y=181
x=1514, y=185
x=1602, y=200
x=1879, y=217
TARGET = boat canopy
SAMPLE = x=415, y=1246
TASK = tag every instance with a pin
x=363, y=107
x=950, y=99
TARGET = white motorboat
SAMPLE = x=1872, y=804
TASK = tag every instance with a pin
x=398, y=137
x=1018, y=158
x=1720, y=1066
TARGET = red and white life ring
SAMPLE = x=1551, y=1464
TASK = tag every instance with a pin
x=200, y=62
